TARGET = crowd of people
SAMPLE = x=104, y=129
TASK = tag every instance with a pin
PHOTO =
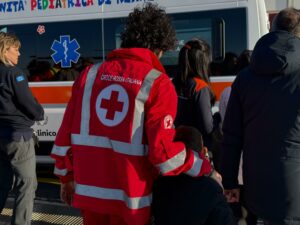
x=151, y=151
x=42, y=70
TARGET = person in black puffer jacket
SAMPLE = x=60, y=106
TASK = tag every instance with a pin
x=263, y=121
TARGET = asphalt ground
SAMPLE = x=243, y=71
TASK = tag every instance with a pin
x=48, y=208
x=45, y=213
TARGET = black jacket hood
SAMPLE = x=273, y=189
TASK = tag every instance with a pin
x=276, y=53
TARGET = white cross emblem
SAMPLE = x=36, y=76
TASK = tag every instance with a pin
x=112, y=105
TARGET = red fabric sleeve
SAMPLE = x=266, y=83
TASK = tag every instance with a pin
x=170, y=158
x=62, y=151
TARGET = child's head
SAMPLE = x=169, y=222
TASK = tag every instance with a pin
x=190, y=136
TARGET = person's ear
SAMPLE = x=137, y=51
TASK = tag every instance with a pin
x=158, y=53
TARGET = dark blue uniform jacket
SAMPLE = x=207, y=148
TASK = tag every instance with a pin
x=18, y=108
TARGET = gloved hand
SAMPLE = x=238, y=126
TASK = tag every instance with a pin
x=67, y=192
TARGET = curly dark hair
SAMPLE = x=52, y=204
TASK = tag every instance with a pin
x=149, y=27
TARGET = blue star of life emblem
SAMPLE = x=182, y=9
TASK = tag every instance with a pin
x=65, y=51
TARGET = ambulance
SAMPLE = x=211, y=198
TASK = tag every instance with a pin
x=60, y=37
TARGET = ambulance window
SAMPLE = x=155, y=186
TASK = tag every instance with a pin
x=186, y=29
x=224, y=30
x=58, y=51
x=112, y=33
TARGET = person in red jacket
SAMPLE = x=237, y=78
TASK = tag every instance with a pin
x=117, y=132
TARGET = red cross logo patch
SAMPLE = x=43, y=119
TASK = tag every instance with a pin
x=112, y=105
x=168, y=122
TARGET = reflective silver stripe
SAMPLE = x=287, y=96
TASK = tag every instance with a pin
x=60, y=150
x=172, y=163
x=60, y=172
x=195, y=170
x=104, y=142
x=141, y=98
x=113, y=194
x=85, y=111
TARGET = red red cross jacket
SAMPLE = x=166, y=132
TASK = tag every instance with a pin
x=117, y=135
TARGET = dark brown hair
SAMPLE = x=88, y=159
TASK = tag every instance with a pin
x=243, y=60
x=190, y=136
x=193, y=61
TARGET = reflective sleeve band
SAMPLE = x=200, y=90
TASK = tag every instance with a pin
x=104, y=142
x=85, y=110
x=113, y=194
x=60, y=172
x=172, y=163
x=60, y=150
x=141, y=98
x=196, y=167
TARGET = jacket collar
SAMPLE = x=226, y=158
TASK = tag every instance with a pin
x=138, y=54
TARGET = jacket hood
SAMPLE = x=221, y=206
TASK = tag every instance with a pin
x=138, y=54
x=276, y=53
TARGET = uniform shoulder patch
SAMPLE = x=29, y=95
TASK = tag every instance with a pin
x=168, y=122
x=199, y=84
x=20, y=78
